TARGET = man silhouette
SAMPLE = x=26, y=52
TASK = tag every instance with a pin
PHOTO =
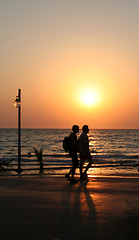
x=73, y=147
x=84, y=152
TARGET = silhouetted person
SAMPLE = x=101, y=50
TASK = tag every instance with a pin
x=73, y=147
x=84, y=152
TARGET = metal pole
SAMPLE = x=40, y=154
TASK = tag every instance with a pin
x=19, y=130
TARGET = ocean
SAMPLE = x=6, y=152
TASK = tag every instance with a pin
x=114, y=152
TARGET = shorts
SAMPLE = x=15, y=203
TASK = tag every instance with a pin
x=86, y=157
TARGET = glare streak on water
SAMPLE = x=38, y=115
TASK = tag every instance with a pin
x=114, y=151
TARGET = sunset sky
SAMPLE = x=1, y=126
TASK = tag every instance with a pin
x=75, y=61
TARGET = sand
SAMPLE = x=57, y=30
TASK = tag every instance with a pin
x=50, y=208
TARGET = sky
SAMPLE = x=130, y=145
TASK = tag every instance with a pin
x=76, y=62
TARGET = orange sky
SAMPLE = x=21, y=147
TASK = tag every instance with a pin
x=57, y=52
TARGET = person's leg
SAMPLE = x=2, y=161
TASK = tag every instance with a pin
x=75, y=163
x=73, y=172
x=81, y=166
x=89, y=158
x=68, y=174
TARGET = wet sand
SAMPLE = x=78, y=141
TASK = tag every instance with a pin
x=51, y=208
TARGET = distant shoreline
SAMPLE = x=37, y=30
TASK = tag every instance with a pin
x=70, y=128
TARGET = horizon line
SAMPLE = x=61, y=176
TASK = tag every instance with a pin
x=70, y=128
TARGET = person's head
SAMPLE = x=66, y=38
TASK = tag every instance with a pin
x=75, y=128
x=85, y=128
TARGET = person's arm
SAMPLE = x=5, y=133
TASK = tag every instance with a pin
x=87, y=144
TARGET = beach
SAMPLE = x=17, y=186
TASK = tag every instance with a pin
x=51, y=208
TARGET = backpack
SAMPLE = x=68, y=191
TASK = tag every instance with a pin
x=66, y=144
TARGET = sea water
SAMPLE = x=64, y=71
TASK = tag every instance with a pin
x=114, y=152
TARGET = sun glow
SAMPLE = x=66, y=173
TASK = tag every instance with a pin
x=89, y=97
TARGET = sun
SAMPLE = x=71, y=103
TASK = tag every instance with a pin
x=88, y=97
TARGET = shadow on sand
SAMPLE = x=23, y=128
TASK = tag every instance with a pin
x=77, y=219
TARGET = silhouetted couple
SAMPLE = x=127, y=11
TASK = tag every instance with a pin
x=80, y=145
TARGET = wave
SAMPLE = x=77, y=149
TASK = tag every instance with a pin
x=25, y=157
x=119, y=156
